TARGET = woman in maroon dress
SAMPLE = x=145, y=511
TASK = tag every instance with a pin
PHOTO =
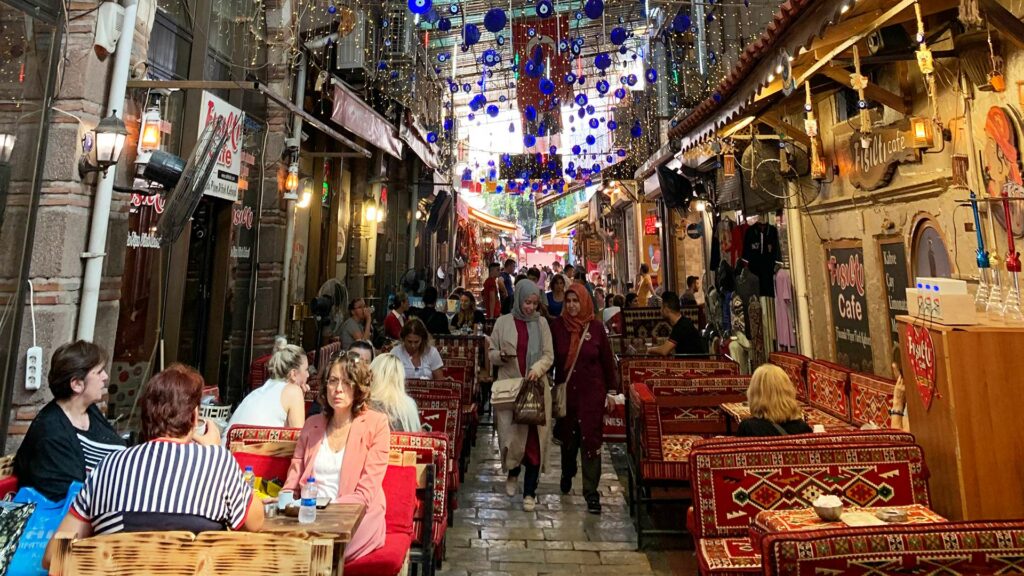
x=579, y=338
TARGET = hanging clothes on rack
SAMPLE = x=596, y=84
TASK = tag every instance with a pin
x=761, y=250
x=785, y=328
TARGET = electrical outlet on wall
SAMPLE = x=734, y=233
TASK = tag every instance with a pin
x=33, y=368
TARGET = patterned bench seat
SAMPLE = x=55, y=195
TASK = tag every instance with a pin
x=795, y=366
x=947, y=548
x=733, y=482
x=428, y=537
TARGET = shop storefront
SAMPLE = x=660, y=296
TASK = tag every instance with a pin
x=30, y=41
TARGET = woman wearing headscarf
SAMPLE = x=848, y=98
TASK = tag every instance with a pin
x=521, y=348
x=580, y=338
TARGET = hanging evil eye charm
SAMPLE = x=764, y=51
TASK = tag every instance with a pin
x=442, y=57
x=594, y=123
x=636, y=131
x=612, y=124
x=621, y=153
x=570, y=78
x=681, y=23
x=563, y=46
x=618, y=36
x=620, y=93
x=581, y=99
x=594, y=9
x=544, y=8
x=591, y=140
x=862, y=104
x=602, y=61
x=500, y=40
x=576, y=151
x=444, y=24
x=531, y=31
x=420, y=6
x=471, y=34
x=631, y=80
x=546, y=86
x=448, y=124
x=529, y=141
x=652, y=75
x=492, y=111
x=332, y=9
x=495, y=20
x=603, y=86
x=431, y=137
x=491, y=57
x=453, y=9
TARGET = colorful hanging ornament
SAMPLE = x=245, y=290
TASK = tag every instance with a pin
x=593, y=9
x=859, y=82
x=995, y=77
x=420, y=6
x=544, y=8
x=1011, y=308
x=618, y=36
x=470, y=34
x=444, y=24
x=495, y=20
x=681, y=23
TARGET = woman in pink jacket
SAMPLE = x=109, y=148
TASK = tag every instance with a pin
x=346, y=450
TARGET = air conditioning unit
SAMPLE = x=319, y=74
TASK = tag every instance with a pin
x=396, y=40
x=351, y=48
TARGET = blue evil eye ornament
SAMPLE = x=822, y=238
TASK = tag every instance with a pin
x=603, y=86
x=544, y=8
x=492, y=111
x=530, y=113
x=582, y=112
x=478, y=102
x=636, y=131
x=576, y=150
x=453, y=9
x=553, y=150
x=420, y=6
x=444, y=24
x=612, y=124
x=591, y=140
x=631, y=80
x=448, y=124
x=511, y=127
x=500, y=39
x=717, y=97
x=533, y=68
x=431, y=137
x=546, y=86
x=467, y=88
x=529, y=140
x=710, y=18
x=621, y=153
x=594, y=123
x=594, y=9
x=471, y=34
x=442, y=57
x=471, y=116
x=581, y=99
x=602, y=61
x=491, y=57
x=618, y=36
x=382, y=65
x=620, y=93
x=495, y=20
x=332, y=9
x=570, y=78
x=652, y=75
x=681, y=23
x=431, y=16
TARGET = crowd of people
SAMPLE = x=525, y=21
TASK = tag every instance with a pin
x=550, y=327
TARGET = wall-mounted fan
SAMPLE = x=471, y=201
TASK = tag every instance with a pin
x=188, y=190
x=764, y=177
x=413, y=282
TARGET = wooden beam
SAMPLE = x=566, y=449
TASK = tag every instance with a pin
x=854, y=38
x=773, y=120
x=872, y=92
x=836, y=34
x=775, y=86
x=1003, y=20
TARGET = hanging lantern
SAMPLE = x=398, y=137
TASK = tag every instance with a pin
x=818, y=168
x=921, y=132
x=729, y=165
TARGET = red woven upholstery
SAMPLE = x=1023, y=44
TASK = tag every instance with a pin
x=868, y=436
x=430, y=448
x=266, y=467
x=634, y=369
x=400, y=490
x=828, y=388
x=728, y=556
x=259, y=434
x=732, y=483
x=795, y=366
x=948, y=548
x=870, y=399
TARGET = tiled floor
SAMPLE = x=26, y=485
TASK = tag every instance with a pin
x=493, y=536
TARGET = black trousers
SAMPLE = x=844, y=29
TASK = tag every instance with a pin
x=531, y=480
x=591, y=466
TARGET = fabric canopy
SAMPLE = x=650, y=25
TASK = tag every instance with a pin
x=357, y=117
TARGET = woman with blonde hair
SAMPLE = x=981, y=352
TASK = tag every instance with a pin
x=387, y=394
x=774, y=410
x=281, y=401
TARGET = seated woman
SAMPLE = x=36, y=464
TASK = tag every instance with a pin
x=419, y=357
x=364, y=349
x=69, y=437
x=388, y=395
x=346, y=450
x=774, y=410
x=396, y=318
x=468, y=316
x=281, y=400
x=179, y=478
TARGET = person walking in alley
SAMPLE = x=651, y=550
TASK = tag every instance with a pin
x=584, y=362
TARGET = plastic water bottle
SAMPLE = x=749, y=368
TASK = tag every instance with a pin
x=307, y=506
x=249, y=477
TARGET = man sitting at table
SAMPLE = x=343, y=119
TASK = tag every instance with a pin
x=345, y=449
x=684, y=339
x=180, y=478
x=774, y=410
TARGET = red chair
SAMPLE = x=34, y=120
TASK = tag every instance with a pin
x=431, y=522
x=264, y=466
x=400, y=490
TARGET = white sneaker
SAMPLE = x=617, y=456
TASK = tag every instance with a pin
x=511, y=486
x=529, y=504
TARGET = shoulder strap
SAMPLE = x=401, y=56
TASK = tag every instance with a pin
x=780, y=429
x=577, y=356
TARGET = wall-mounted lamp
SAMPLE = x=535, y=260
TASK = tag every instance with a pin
x=819, y=171
x=109, y=137
x=6, y=147
x=306, y=196
x=373, y=213
x=921, y=132
x=419, y=214
x=150, y=138
x=291, y=183
x=701, y=206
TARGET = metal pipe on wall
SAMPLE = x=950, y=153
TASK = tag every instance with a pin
x=799, y=268
x=289, y=229
x=97, y=246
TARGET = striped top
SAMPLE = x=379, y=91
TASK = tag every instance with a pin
x=94, y=449
x=165, y=485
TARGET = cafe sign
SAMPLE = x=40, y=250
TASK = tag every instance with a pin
x=872, y=167
x=224, y=182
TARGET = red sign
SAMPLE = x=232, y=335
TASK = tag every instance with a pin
x=537, y=39
x=651, y=225
x=921, y=353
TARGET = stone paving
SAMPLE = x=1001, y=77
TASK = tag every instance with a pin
x=493, y=536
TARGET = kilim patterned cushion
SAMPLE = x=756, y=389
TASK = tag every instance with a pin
x=643, y=368
x=827, y=388
x=732, y=483
x=430, y=448
x=727, y=556
x=795, y=366
x=871, y=398
x=643, y=327
x=947, y=549
x=691, y=405
x=872, y=436
x=259, y=434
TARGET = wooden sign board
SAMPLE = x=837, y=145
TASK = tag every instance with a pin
x=844, y=261
x=893, y=256
x=873, y=167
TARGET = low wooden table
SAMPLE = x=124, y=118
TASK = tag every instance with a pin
x=337, y=521
x=737, y=412
x=776, y=521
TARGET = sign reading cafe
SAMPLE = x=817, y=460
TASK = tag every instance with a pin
x=224, y=182
x=871, y=167
x=848, y=295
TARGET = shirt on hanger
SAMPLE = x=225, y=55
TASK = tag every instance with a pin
x=783, y=309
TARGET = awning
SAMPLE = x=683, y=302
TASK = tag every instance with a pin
x=491, y=221
x=415, y=136
x=565, y=224
x=660, y=156
x=356, y=116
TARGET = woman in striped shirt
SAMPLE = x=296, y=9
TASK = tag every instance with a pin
x=180, y=478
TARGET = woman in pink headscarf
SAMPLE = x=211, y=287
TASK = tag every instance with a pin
x=580, y=339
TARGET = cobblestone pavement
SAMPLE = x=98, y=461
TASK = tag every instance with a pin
x=493, y=536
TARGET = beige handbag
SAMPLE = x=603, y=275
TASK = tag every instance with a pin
x=504, y=392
